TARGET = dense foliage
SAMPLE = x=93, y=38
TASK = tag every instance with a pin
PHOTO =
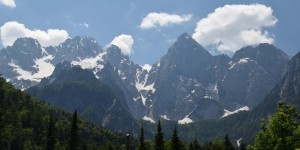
x=282, y=131
x=26, y=124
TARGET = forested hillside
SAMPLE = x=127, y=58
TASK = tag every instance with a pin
x=25, y=124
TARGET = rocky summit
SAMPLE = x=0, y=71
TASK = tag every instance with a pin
x=187, y=84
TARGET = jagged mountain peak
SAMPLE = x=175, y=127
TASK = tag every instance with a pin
x=27, y=46
x=116, y=57
x=253, y=72
x=186, y=52
x=60, y=67
x=114, y=50
x=65, y=71
x=186, y=76
x=265, y=45
x=259, y=52
x=82, y=40
x=78, y=39
x=184, y=36
x=80, y=43
x=77, y=48
x=66, y=66
x=27, y=41
x=186, y=44
x=24, y=54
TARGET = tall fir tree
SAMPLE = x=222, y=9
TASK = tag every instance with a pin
x=227, y=143
x=142, y=140
x=195, y=145
x=50, y=136
x=175, y=142
x=242, y=146
x=159, y=139
x=74, y=135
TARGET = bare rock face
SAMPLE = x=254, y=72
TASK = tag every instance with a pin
x=188, y=83
x=254, y=71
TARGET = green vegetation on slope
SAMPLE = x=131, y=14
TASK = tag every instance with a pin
x=25, y=123
x=280, y=132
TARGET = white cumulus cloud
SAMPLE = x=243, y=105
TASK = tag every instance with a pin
x=8, y=3
x=153, y=20
x=124, y=42
x=13, y=30
x=231, y=27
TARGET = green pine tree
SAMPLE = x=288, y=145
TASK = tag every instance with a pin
x=242, y=146
x=195, y=145
x=74, y=135
x=50, y=137
x=227, y=143
x=175, y=142
x=159, y=139
x=142, y=140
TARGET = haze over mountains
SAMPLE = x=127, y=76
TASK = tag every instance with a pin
x=186, y=85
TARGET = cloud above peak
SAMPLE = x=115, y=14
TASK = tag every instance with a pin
x=231, y=27
x=153, y=20
x=8, y=3
x=13, y=30
x=124, y=42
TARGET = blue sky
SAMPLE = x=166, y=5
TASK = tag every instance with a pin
x=121, y=20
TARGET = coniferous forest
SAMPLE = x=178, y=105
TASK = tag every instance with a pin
x=28, y=123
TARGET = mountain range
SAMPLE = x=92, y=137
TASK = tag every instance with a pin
x=187, y=84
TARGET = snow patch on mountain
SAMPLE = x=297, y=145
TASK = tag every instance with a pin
x=147, y=67
x=185, y=120
x=150, y=88
x=165, y=117
x=142, y=87
x=25, y=75
x=208, y=97
x=143, y=99
x=241, y=61
x=140, y=84
x=44, y=66
x=95, y=63
x=238, y=142
x=244, y=60
x=136, y=98
x=90, y=63
x=148, y=119
x=228, y=113
x=45, y=69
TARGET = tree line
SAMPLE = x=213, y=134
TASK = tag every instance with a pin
x=280, y=132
